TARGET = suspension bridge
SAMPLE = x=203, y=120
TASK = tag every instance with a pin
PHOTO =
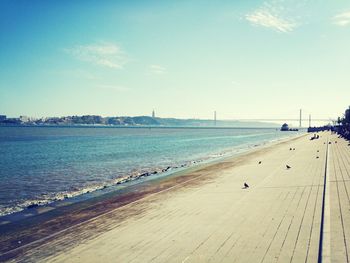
x=309, y=120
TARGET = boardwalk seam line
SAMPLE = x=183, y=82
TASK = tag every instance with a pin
x=320, y=247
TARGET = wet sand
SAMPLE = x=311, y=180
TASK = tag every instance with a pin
x=205, y=215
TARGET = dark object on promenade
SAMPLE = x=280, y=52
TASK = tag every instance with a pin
x=260, y=162
x=318, y=151
x=317, y=157
x=316, y=136
x=329, y=143
x=293, y=149
x=335, y=141
x=290, y=149
x=246, y=186
x=288, y=167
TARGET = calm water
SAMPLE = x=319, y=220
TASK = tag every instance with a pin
x=42, y=164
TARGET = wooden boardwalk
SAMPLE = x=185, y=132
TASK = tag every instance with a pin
x=339, y=185
x=286, y=215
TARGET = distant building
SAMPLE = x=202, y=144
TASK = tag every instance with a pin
x=153, y=114
x=2, y=117
x=24, y=119
x=12, y=121
x=285, y=127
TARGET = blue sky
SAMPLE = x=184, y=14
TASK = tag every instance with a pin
x=244, y=59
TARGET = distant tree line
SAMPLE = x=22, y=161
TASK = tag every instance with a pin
x=128, y=121
x=83, y=120
x=343, y=127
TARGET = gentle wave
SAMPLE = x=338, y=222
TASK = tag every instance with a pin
x=73, y=162
x=46, y=199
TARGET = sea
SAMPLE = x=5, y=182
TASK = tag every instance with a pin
x=42, y=165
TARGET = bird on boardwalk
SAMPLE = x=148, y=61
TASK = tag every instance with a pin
x=259, y=162
x=288, y=167
x=246, y=185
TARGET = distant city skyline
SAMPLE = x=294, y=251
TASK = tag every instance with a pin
x=183, y=59
x=294, y=122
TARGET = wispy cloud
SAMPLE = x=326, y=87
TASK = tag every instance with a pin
x=103, y=54
x=157, y=69
x=272, y=15
x=342, y=19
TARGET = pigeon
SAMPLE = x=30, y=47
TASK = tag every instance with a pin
x=246, y=185
x=259, y=162
x=288, y=167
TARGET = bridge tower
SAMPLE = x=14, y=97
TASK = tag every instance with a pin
x=309, y=120
x=214, y=118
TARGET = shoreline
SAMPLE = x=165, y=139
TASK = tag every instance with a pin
x=49, y=223
x=137, y=126
x=50, y=201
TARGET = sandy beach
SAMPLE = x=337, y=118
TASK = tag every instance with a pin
x=205, y=215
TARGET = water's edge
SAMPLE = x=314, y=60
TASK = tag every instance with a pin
x=26, y=230
x=35, y=207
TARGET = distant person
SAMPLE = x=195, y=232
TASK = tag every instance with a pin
x=245, y=185
x=288, y=167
